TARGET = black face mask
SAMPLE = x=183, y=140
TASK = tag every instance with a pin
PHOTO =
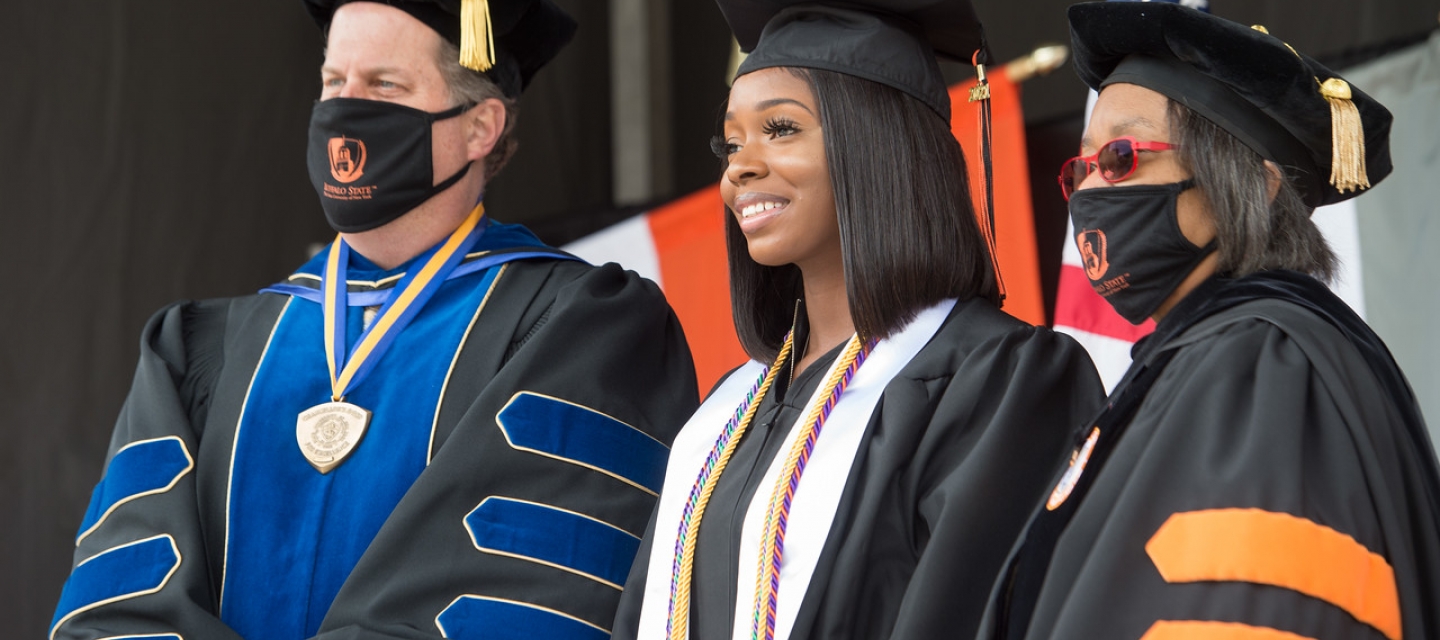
x=370, y=161
x=1131, y=245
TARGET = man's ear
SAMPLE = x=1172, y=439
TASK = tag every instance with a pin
x=484, y=124
x=1273, y=177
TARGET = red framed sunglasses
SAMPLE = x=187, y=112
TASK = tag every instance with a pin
x=1116, y=160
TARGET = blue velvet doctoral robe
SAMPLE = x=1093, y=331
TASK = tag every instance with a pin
x=520, y=427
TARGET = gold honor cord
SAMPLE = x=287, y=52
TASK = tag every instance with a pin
x=767, y=570
x=327, y=433
x=680, y=605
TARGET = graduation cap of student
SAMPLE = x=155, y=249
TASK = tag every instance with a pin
x=893, y=42
x=507, y=40
x=1287, y=107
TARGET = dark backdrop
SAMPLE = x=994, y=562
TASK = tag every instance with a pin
x=154, y=150
x=148, y=151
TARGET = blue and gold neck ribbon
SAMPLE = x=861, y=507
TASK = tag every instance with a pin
x=405, y=301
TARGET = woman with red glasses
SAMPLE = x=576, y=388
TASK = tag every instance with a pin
x=1262, y=471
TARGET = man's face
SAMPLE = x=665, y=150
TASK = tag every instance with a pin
x=378, y=52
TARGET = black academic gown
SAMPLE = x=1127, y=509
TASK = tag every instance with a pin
x=1274, y=477
x=534, y=475
x=942, y=483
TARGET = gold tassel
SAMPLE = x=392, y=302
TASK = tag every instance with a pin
x=477, y=41
x=1347, y=133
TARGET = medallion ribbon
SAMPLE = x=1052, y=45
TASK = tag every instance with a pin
x=405, y=301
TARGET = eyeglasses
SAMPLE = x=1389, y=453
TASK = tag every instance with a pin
x=1116, y=161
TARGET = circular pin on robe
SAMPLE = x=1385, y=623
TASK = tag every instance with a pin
x=1072, y=474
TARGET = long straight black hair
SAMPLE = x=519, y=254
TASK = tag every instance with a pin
x=908, y=232
x=1253, y=231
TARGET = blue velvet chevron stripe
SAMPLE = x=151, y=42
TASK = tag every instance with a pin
x=581, y=435
x=139, y=469
x=163, y=636
x=124, y=572
x=549, y=535
x=480, y=618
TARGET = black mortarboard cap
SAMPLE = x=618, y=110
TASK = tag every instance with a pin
x=893, y=42
x=508, y=40
x=1281, y=103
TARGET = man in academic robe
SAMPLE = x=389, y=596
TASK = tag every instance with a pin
x=437, y=427
x=1262, y=471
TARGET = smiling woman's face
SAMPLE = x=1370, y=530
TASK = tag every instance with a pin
x=777, y=183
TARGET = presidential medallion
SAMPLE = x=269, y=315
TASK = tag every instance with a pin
x=327, y=433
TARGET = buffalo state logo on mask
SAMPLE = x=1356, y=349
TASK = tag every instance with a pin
x=347, y=164
x=347, y=159
x=1091, y=243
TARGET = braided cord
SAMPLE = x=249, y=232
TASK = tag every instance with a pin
x=677, y=623
x=777, y=517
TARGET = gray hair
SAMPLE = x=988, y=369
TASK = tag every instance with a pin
x=472, y=87
x=1253, y=232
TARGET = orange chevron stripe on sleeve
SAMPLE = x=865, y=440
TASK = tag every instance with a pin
x=1278, y=549
x=1198, y=630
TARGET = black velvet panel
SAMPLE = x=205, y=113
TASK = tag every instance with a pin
x=528, y=33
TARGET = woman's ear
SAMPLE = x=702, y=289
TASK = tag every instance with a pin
x=485, y=122
x=1273, y=177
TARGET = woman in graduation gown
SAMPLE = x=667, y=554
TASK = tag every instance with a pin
x=1262, y=470
x=865, y=474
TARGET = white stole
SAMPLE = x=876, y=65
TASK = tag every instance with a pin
x=816, y=499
